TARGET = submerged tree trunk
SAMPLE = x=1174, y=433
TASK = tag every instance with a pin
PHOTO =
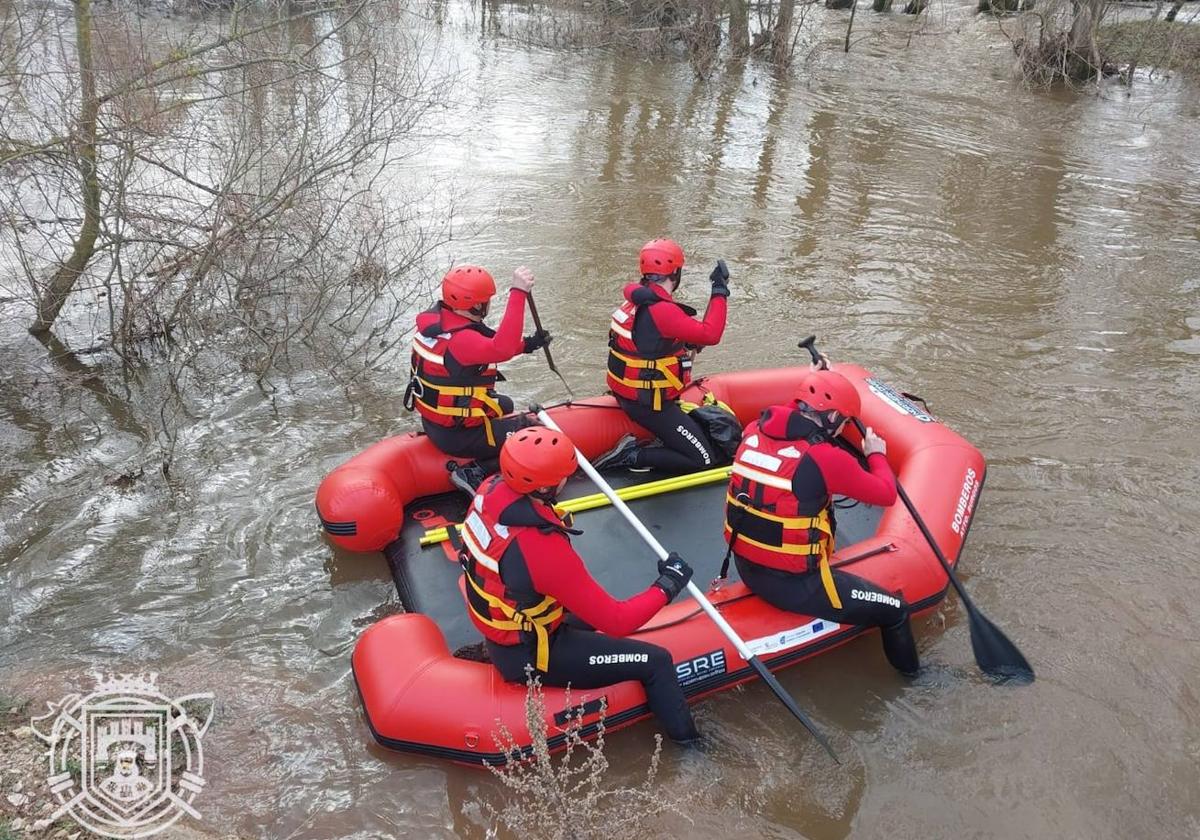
x=1083, y=57
x=781, y=40
x=739, y=28
x=63, y=281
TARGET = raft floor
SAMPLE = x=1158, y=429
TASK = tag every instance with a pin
x=687, y=521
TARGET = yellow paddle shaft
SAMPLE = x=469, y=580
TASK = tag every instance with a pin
x=636, y=491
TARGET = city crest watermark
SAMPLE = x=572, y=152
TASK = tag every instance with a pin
x=125, y=761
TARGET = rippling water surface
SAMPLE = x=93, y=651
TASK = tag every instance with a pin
x=1028, y=262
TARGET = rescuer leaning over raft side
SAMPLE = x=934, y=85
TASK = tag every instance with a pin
x=522, y=578
x=779, y=515
x=454, y=370
x=652, y=342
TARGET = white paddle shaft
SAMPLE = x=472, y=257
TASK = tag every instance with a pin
x=654, y=544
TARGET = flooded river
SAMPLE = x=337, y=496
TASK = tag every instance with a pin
x=1029, y=262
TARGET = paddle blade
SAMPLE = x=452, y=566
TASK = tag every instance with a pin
x=782, y=694
x=995, y=654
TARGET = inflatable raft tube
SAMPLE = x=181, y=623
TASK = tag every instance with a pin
x=419, y=697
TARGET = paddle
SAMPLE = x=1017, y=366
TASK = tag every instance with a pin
x=695, y=592
x=818, y=360
x=537, y=323
x=995, y=654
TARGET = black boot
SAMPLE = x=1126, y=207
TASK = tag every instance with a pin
x=468, y=477
x=624, y=454
x=900, y=648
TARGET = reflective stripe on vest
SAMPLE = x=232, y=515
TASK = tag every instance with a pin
x=496, y=611
x=764, y=512
x=461, y=397
x=636, y=375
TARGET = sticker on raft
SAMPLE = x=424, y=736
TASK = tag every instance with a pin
x=794, y=637
x=700, y=668
x=893, y=398
x=966, y=503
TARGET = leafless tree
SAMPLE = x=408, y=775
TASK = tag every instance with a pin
x=739, y=28
x=1058, y=40
x=230, y=181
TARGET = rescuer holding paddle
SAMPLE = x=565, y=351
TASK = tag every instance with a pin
x=652, y=341
x=522, y=578
x=454, y=369
x=779, y=515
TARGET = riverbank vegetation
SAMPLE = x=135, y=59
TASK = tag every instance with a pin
x=1159, y=44
x=706, y=33
x=1055, y=40
x=569, y=797
x=1087, y=40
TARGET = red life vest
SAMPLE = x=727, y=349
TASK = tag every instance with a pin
x=643, y=365
x=448, y=393
x=762, y=512
x=499, y=612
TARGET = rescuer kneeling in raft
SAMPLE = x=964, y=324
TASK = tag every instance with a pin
x=652, y=342
x=779, y=515
x=523, y=577
x=454, y=370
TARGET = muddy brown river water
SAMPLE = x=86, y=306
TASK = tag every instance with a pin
x=1029, y=262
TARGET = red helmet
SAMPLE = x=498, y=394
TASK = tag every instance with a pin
x=467, y=286
x=536, y=457
x=824, y=390
x=661, y=256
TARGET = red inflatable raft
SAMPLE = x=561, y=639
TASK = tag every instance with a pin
x=419, y=697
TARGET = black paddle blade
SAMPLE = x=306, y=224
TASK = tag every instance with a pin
x=808, y=344
x=996, y=655
x=782, y=694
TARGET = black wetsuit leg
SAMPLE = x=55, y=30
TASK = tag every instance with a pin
x=587, y=659
x=863, y=603
x=685, y=446
x=471, y=442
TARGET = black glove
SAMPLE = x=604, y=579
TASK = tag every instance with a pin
x=673, y=575
x=537, y=341
x=720, y=280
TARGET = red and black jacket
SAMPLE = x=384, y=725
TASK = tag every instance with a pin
x=443, y=390
x=522, y=573
x=778, y=510
x=649, y=358
x=496, y=519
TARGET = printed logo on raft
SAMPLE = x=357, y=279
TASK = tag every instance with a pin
x=701, y=667
x=794, y=637
x=966, y=502
x=617, y=658
x=893, y=398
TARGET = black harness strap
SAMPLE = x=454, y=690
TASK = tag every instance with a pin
x=735, y=528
